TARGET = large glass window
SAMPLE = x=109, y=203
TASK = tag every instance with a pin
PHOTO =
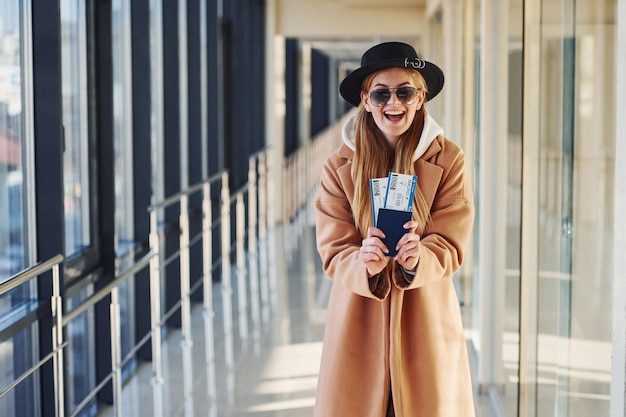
x=80, y=368
x=157, y=113
x=156, y=83
x=80, y=363
x=497, y=117
x=75, y=125
x=15, y=359
x=123, y=170
x=122, y=119
x=12, y=142
x=576, y=150
x=17, y=351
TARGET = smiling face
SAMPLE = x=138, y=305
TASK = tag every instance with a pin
x=393, y=117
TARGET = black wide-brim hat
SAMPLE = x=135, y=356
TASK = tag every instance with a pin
x=390, y=55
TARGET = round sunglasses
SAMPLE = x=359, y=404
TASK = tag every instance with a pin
x=380, y=96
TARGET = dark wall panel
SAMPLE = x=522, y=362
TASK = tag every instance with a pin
x=320, y=97
x=292, y=95
x=49, y=167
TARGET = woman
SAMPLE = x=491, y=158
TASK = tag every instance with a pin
x=394, y=341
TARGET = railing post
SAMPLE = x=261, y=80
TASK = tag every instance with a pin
x=57, y=341
x=300, y=167
x=116, y=354
x=155, y=315
x=242, y=290
x=252, y=253
x=185, y=304
x=286, y=191
x=207, y=282
x=288, y=194
x=263, y=241
x=227, y=291
x=293, y=185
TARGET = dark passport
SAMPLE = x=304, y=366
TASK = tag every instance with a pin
x=391, y=222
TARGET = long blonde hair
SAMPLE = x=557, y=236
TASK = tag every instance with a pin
x=374, y=158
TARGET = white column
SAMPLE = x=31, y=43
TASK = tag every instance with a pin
x=618, y=368
x=274, y=119
x=452, y=66
x=491, y=177
x=530, y=216
x=468, y=137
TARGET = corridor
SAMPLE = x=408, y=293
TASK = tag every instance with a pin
x=276, y=375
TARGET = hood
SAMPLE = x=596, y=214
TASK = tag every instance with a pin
x=429, y=133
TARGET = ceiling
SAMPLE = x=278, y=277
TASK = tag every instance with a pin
x=344, y=29
x=350, y=19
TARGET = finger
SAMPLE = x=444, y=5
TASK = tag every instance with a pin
x=409, y=238
x=375, y=242
x=375, y=232
x=406, y=241
x=409, y=248
x=407, y=261
x=402, y=256
x=369, y=257
x=411, y=225
x=372, y=252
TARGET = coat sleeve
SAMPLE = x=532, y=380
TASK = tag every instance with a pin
x=452, y=218
x=338, y=240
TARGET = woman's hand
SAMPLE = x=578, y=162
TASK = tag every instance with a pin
x=409, y=247
x=373, y=251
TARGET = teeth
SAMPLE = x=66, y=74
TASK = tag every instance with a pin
x=394, y=113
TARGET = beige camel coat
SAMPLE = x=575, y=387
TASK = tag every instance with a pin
x=403, y=337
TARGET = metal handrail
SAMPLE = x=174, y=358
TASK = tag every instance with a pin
x=256, y=184
x=302, y=169
x=56, y=310
x=252, y=269
x=26, y=275
x=29, y=372
x=106, y=290
x=190, y=190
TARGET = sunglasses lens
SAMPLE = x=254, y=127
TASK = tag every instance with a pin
x=380, y=97
x=408, y=95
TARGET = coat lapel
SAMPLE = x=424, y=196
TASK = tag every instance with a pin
x=345, y=171
x=426, y=169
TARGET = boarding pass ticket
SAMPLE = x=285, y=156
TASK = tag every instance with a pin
x=400, y=191
x=378, y=190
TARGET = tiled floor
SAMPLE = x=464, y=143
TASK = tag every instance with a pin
x=276, y=374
